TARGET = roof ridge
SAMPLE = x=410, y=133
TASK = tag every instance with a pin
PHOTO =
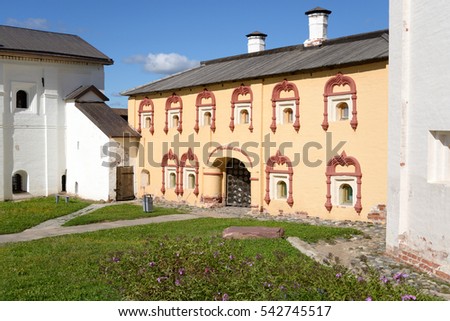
x=360, y=36
x=43, y=31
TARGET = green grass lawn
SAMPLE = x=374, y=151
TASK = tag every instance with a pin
x=18, y=216
x=111, y=265
x=121, y=212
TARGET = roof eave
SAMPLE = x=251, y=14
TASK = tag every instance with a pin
x=47, y=55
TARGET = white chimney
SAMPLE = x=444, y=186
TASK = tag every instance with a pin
x=318, y=25
x=256, y=41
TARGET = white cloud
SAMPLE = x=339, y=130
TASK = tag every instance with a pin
x=31, y=23
x=163, y=63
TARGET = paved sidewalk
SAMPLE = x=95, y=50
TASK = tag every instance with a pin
x=54, y=227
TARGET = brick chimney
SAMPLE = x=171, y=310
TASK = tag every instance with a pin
x=318, y=25
x=256, y=41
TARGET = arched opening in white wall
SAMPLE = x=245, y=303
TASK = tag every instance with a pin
x=21, y=99
x=63, y=183
x=20, y=182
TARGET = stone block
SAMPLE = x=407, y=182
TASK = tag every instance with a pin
x=252, y=232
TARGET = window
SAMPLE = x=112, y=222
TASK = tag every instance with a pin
x=339, y=107
x=241, y=107
x=344, y=185
x=175, y=121
x=340, y=101
x=205, y=108
x=205, y=115
x=439, y=157
x=342, y=111
x=242, y=114
x=174, y=114
x=342, y=190
x=145, y=178
x=282, y=190
x=286, y=112
x=21, y=99
x=171, y=177
x=285, y=106
x=147, y=120
x=146, y=115
x=189, y=178
x=345, y=195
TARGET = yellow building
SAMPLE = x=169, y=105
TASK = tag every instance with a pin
x=298, y=130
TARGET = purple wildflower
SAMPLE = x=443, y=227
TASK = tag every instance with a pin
x=384, y=279
x=369, y=298
x=360, y=279
x=225, y=297
x=152, y=264
x=399, y=276
x=161, y=278
x=338, y=276
x=115, y=259
x=408, y=297
x=182, y=271
x=267, y=285
x=177, y=282
x=231, y=257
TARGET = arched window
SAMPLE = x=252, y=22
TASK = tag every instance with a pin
x=17, y=183
x=285, y=96
x=244, y=117
x=172, y=180
x=21, y=99
x=342, y=111
x=345, y=195
x=288, y=116
x=145, y=178
x=340, y=101
x=191, y=181
x=207, y=118
x=205, y=110
x=175, y=121
x=281, y=190
x=148, y=122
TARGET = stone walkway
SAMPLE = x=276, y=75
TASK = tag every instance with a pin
x=355, y=253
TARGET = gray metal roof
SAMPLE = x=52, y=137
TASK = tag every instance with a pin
x=22, y=41
x=339, y=52
x=111, y=124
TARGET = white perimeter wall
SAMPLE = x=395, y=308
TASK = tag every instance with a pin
x=419, y=102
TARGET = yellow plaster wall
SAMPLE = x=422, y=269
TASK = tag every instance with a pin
x=368, y=143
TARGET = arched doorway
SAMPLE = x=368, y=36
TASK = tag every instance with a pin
x=19, y=182
x=237, y=184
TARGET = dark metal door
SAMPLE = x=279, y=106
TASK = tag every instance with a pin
x=238, y=184
x=124, y=183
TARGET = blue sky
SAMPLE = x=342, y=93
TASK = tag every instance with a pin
x=150, y=39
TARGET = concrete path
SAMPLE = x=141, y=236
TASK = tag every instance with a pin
x=54, y=227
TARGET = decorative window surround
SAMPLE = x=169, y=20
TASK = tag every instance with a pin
x=276, y=100
x=273, y=176
x=202, y=108
x=146, y=112
x=189, y=165
x=237, y=103
x=167, y=169
x=174, y=111
x=332, y=175
x=331, y=100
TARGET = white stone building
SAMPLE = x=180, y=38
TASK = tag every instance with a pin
x=38, y=128
x=418, y=221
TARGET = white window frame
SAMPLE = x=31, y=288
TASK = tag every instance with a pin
x=439, y=157
x=281, y=106
x=334, y=101
x=168, y=170
x=237, y=113
x=188, y=171
x=273, y=181
x=170, y=114
x=201, y=115
x=144, y=115
x=336, y=183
